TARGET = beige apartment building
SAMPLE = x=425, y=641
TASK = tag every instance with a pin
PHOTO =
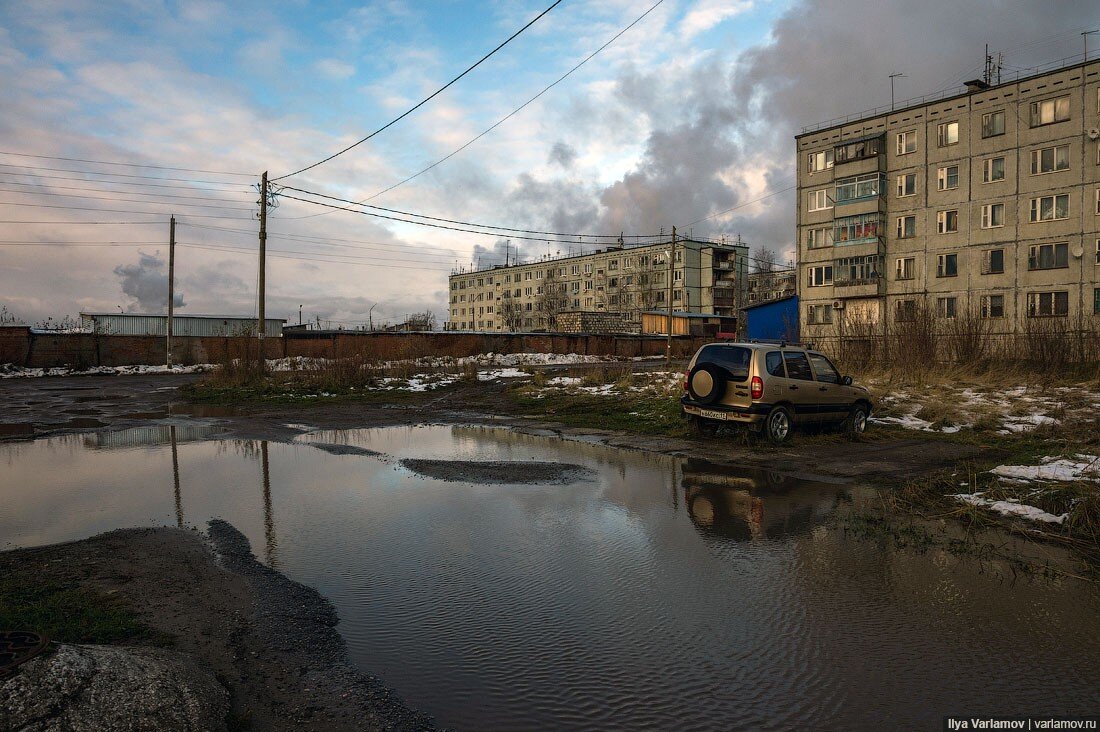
x=985, y=202
x=607, y=290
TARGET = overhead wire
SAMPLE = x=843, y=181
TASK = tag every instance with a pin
x=508, y=116
x=39, y=176
x=128, y=200
x=465, y=223
x=131, y=165
x=427, y=99
x=116, y=175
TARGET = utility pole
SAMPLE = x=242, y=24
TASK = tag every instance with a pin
x=261, y=318
x=171, y=289
x=671, y=259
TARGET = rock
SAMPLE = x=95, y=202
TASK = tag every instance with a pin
x=82, y=688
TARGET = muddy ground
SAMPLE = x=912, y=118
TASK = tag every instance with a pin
x=40, y=407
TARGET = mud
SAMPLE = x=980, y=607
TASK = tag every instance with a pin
x=495, y=472
x=269, y=641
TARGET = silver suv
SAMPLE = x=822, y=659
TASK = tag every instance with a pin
x=770, y=387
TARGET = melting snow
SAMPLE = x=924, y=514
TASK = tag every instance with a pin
x=1076, y=467
x=1011, y=508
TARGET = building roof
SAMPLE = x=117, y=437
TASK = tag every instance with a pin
x=910, y=104
x=177, y=315
x=770, y=302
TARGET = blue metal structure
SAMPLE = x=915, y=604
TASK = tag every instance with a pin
x=773, y=319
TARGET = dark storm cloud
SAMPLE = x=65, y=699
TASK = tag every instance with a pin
x=562, y=154
x=146, y=283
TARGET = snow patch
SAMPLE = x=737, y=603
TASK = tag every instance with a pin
x=1076, y=467
x=1011, y=507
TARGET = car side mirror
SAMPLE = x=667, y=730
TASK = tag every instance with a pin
x=847, y=381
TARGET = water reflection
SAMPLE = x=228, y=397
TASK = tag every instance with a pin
x=752, y=505
x=665, y=593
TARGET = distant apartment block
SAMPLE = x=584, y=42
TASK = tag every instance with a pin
x=618, y=283
x=765, y=286
x=986, y=202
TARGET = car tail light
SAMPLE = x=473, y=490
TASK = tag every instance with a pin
x=757, y=387
x=686, y=373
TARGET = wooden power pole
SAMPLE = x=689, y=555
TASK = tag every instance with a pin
x=171, y=289
x=671, y=262
x=261, y=317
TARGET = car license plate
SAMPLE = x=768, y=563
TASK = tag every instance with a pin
x=712, y=414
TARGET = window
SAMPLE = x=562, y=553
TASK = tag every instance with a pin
x=798, y=366
x=1098, y=251
x=1050, y=208
x=903, y=268
x=947, y=222
x=993, y=306
x=773, y=361
x=1049, y=159
x=948, y=133
x=994, y=170
x=858, y=150
x=993, y=124
x=824, y=370
x=539, y=274
x=945, y=306
x=538, y=290
x=576, y=288
x=907, y=142
x=678, y=275
x=947, y=265
x=588, y=269
x=1096, y=301
x=1049, y=111
x=613, y=265
x=818, y=238
x=820, y=161
x=856, y=229
x=947, y=178
x=819, y=200
x=858, y=188
x=907, y=184
x=857, y=270
x=993, y=215
x=575, y=269
x=1098, y=201
x=526, y=276
x=993, y=261
x=821, y=276
x=1048, y=256
x=905, y=310
x=1047, y=304
x=527, y=291
x=907, y=227
x=815, y=315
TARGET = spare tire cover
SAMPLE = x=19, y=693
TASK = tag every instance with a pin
x=707, y=383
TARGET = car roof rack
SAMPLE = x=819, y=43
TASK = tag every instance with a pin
x=783, y=343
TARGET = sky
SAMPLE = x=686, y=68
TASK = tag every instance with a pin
x=118, y=115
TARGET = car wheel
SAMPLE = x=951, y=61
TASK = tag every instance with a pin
x=777, y=427
x=856, y=424
x=704, y=427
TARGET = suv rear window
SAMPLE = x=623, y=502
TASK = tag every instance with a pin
x=824, y=370
x=734, y=359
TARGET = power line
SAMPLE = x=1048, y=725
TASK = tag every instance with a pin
x=90, y=223
x=40, y=176
x=508, y=116
x=100, y=190
x=746, y=203
x=120, y=210
x=427, y=99
x=131, y=165
x=320, y=240
x=466, y=223
x=116, y=175
x=127, y=200
x=494, y=234
x=280, y=255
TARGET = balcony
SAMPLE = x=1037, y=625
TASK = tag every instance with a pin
x=865, y=148
x=859, y=229
x=859, y=189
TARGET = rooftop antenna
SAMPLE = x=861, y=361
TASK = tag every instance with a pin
x=895, y=75
x=1085, y=37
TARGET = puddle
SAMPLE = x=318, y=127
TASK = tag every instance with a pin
x=18, y=430
x=650, y=592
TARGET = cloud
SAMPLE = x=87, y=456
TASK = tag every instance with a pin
x=146, y=283
x=334, y=68
x=709, y=13
x=562, y=154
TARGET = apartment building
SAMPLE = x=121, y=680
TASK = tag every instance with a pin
x=984, y=202
x=764, y=286
x=706, y=277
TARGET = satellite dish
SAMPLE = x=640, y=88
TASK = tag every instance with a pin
x=1078, y=252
